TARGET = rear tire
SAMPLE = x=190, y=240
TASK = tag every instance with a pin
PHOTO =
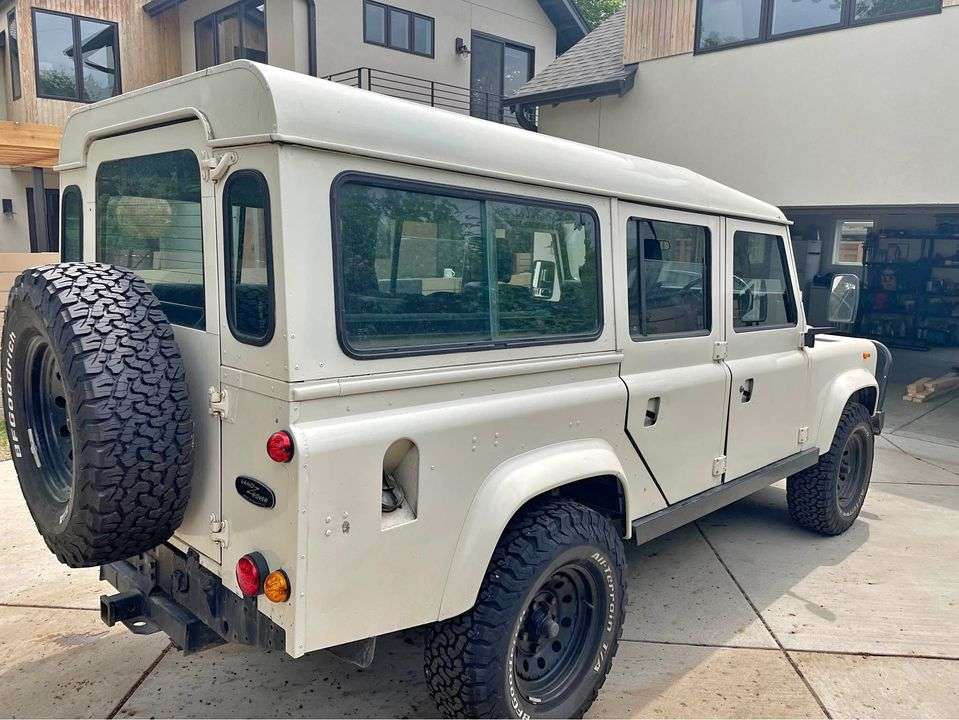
x=97, y=412
x=542, y=636
x=828, y=497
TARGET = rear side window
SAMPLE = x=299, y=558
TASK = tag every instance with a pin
x=149, y=220
x=249, y=258
x=423, y=270
x=762, y=294
x=668, y=265
x=71, y=231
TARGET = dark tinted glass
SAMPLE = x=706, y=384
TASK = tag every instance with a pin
x=98, y=47
x=412, y=270
x=668, y=266
x=762, y=294
x=422, y=35
x=725, y=22
x=204, y=34
x=149, y=220
x=547, y=281
x=796, y=15
x=249, y=258
x=399, y=29
x=13, y=42
x=53, y=43
x=415, y=270
x=254, y=32
x=71, y=235
x=228, y=35
x=876, y=9
x=375, y=23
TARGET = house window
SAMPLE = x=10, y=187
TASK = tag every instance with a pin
x=237, y=32
x=14, y=44
x=398, y=29
x=731, y=23
x=851, y=241
x=77, y=58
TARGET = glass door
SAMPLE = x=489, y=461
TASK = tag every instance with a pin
x=499, y=69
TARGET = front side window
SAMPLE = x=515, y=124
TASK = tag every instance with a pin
x=398, y=29
x=668, y=279
x=730, y=23
x=249, y=258
x=237, y=32
x=71, y=232
x=149, y=220
x=77, y=58
x=762, y=293
x=429, y=270
x=13, y=41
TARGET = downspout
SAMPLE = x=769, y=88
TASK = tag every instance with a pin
x=526, y=117
x=311, y=35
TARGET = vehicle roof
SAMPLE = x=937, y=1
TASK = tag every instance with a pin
x=244, y=102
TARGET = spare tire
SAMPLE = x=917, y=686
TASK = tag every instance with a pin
x=97, y=411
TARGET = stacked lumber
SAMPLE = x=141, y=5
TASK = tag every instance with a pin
x=925, y=388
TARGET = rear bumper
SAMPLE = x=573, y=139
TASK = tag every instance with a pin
x=164, y=590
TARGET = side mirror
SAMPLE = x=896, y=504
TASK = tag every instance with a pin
x=544, y=279
x=844, y=299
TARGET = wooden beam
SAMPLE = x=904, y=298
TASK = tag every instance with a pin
x=29, y=144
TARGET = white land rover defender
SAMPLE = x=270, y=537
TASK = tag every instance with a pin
x=320, y=365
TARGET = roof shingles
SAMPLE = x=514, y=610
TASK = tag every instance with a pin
x=595, y=63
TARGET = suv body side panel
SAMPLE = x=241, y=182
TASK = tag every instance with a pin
x=840, y=366
x=368, y=575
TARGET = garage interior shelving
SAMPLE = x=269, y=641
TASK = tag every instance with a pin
x=911, y=289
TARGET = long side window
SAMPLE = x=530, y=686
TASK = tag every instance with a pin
x=668, y=265
x=149, y=220
x=249, y=258
x=762, y=293
x=71, y=231
x=430, y=270
x=13, y=42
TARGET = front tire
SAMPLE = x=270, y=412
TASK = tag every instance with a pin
x=828, y=497
x=542, y=636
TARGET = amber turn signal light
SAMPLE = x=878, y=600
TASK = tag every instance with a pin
x=277, y=587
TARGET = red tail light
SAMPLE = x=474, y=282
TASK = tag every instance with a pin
x=280, y=447
x=251, y=571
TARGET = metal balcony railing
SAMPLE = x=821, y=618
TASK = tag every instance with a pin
x=488, y=106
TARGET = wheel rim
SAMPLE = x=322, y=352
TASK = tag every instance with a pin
x=853, y=468
x=561, y=625
x=48, y=418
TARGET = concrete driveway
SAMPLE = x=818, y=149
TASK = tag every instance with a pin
x=740, y=615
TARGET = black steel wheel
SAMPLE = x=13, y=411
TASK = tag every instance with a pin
x=544, y=631
x=97, y=411
x=828, y=497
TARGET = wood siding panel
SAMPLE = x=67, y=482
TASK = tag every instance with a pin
x=149, y=52
x=659, y=28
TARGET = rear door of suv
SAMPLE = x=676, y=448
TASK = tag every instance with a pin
x=670, y=281
x=154, y=213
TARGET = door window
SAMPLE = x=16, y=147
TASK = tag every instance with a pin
x=668, y=265
x=249, y=258
x=149, y=220
x=498, y=69
x=762, y=294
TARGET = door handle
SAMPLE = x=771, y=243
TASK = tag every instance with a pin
x=652, y=412
x=746, y=390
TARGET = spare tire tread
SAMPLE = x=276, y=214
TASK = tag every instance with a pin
x=132, y=424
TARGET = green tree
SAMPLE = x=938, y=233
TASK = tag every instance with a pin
x=595, y=11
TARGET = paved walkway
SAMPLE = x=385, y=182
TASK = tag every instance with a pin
x=740, y=615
